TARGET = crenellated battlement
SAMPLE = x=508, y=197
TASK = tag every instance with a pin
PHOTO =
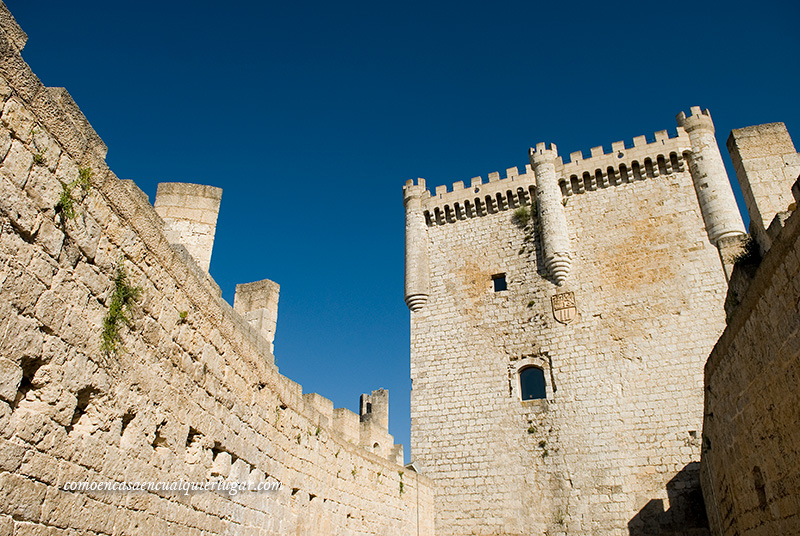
x=699, y=118
x=625, y=163
x=480, y=198
x=544, y=152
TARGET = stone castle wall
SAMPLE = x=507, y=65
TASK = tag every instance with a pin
x=193, y=393
x=613, y=449
x=751, y=442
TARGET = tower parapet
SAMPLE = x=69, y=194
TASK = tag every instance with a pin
x=417, y=278
x=555, y=239
x=766, y=164
x=374, y=429
x=711, y=183
x=375, y=408
x=257, y=302
x=190, y=215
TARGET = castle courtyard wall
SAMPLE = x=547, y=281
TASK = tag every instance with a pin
x=751, y=441
x=191, y=395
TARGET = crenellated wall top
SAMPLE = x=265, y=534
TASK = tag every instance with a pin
x=516, y=188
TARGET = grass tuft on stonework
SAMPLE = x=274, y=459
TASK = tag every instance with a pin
x=119, y=310
x=522, y=216
x=67, y=199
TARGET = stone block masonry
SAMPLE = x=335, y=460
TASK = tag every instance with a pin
x=192, y=394
x=751, y=441
x=610, y=292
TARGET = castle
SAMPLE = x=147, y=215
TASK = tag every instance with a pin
x=561, y=319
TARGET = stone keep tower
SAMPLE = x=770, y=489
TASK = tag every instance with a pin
x=560, y=320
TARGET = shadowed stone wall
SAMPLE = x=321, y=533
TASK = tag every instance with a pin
x=751, y=439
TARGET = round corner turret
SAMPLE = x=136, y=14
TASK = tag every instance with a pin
x=555, y=236
x=417, y=277
x=713, y=188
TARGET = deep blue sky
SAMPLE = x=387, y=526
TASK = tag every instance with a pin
x=311, y=116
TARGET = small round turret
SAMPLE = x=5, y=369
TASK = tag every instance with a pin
x=555, y=239
x=417, y=281
x=714, y=193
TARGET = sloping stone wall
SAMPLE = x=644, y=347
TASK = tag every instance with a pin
x=751, y=439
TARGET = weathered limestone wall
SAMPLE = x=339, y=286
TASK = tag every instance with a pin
x=613, y=449
x=751, y=441
x=192, y=397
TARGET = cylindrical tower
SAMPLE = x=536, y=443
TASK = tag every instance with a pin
x=714, y=193
x=555, y=239
x=417, y=286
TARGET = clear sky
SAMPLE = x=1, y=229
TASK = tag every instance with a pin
x=311, y=115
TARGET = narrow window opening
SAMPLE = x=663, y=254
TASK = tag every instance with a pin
x=479, y=208
x=499, y=281
x=637, y=171
x=761, y=489
x=512, y=201
x=523, y=196
x=623, y=173
x=588, y=181
x=491, y=208
x=688, y=161
x=662, y=165
x=599, y=179
x=577, y=187
x=468, y=209
x=612, y=176
x=648, y=168
x=674, y=162
x=531, y=383
x=448, y=214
